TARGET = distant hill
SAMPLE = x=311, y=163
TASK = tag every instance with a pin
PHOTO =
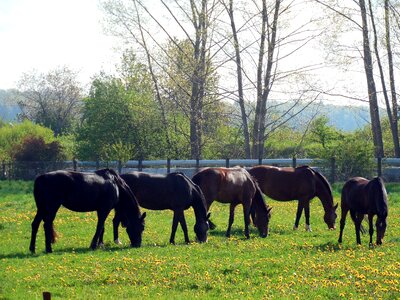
x=346, y=118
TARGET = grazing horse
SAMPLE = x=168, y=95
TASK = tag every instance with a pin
x=365, y=197
x=174, y=191
x=302, y=184
x=100, y=191
x=235, y=186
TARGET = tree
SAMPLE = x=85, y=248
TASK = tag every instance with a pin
x=355, y=14
x=194, y=19
x=51, y=99
x=120, y=119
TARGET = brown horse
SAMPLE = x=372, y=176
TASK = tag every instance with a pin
x=362, y=196
x=235, y=186
x=302, y=184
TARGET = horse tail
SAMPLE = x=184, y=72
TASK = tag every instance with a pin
x=53, y=234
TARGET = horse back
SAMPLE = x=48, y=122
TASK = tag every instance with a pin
x=76, y=191
x=159, y=191
x=225, y=184
x=355, y=195
x=286, y=183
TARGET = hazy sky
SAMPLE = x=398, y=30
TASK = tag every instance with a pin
x=45, y=34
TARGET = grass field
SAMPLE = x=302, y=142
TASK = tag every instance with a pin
x=286, y=265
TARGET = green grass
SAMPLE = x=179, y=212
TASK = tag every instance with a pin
x=286, y=265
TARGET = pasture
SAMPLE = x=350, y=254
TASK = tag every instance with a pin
x=286, y=265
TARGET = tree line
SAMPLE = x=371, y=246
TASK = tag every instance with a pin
x=208, y=79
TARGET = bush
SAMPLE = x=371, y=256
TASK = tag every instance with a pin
x=36, y=149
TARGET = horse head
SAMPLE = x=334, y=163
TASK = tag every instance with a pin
x=135, y=231
x=261, y=220
x=330, y=217
x=128, y=208
x=201, y=228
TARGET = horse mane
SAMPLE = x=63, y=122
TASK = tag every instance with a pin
x=127, y=204
x=199, y=203
x=323, y=180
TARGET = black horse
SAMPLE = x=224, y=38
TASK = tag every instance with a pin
x=174, y=191
x=100, y=191
x=362, y=196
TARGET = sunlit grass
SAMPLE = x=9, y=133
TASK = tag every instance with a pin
x=286, y=265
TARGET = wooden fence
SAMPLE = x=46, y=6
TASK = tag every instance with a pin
x=388, y=168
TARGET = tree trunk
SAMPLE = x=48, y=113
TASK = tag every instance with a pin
x=372, y=97
x=264, y=88
x=240, y=81
x=394, y=120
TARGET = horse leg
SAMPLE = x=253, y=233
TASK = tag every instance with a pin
x=298, y=214
x=342, y=223
x=35, y=226
x=116, y=222
x=48, y=220
x=371, y=228
x=101, y=218
x=231, y=219
x=210, y=223
x=175, y=221
x=246, y=213
x=307, y=215
x=101, y=243
x=357, y=223
x=184, y=226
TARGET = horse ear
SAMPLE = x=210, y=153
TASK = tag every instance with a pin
x=143, y=216
x=208, y=216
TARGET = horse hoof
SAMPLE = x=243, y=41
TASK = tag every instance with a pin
x=118, y=242
x=295, y=227
x=308, y=228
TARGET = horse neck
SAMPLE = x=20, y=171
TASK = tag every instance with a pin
x=259, y=204
x=379, y=197
x=199, y=207
x=324, y=192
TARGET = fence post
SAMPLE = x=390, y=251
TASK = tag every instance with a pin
x=140, y=167
x=260, y=160
x=294, y=162
x=168, y=165
x=227, y=162
x=97, y=164
x=119, y=167
x=74, y=164
x=379, y=166
x=333, y=170
x=3, y=169
x=197, y=164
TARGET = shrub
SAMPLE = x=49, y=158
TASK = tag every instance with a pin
x=36, y=149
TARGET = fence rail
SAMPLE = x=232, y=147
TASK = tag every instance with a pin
x=389, y=168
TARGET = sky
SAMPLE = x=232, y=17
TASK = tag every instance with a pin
x=46, y=34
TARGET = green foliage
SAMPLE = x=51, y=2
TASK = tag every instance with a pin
x=354, y=156
x=286, y=265
x=119, y=118
x=12, y=135
x=36, y=149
